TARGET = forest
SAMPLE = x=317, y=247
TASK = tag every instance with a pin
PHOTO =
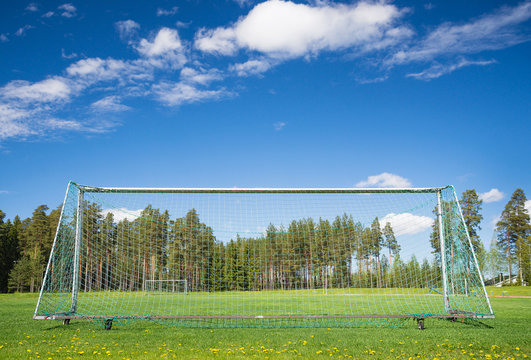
x=307, y=254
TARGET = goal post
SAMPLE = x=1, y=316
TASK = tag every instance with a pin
x=262, y=257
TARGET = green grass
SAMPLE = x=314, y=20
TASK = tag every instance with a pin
x=506, y=337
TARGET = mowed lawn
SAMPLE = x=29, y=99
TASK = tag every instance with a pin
x=506, y=337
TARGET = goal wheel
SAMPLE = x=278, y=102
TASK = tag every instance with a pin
x=108, y=324
x=420, y=324
x=66, y=322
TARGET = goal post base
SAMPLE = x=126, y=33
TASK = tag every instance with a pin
x=261, y=317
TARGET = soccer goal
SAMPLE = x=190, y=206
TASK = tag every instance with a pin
x=262, y=257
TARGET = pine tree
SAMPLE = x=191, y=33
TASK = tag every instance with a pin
x=9, y=251
x=390, y=242
x=514, y=232
x=471, y=207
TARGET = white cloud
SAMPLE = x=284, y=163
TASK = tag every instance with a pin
x=180, y=93
x=527, y=205
x=68, y=10
x=23, y=30
x=92, y=66
x=32, y=7
x=220, y=41
x=201, y=76
x=163, y=12
x=52, y=89
x=251, y=67
x=279, y=125
x=243, y=3
x=67, y=56
x=59, y=124
x=122, y=214
x=49, y=14
x=407, y=223
x=3, y=38
x=489, y=32
x=385, y=180
x=167, y=40
x=10, y=124
x=92, y=70
x=126, y=28
x=4, y=192
x=165, y=50
x=373, y=80
x=109, y=104
x=437, y=70
x=491, y=196
x=283, y=29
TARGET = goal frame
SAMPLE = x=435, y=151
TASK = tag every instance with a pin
x=91, y=189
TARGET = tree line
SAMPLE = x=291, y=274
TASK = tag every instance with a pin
x=308, y=253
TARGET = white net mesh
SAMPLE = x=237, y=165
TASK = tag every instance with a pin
x=261, y=258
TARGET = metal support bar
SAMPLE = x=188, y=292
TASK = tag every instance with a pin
x=77, y=250
x=94, y=189
x=443, y=253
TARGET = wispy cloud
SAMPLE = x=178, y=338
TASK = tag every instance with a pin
x=126, y=28
x=489, y=32
x=279, y=125
x=22, y=31
x=200, y=75
x=385, y=180
x=109, y=104
x=3, y=38
x=32, y=7
x=164, y=12
x=48, y=14
x=492, y=195
x=64, y=55
x=437, y=70
x=52, y=89
x=67, y=10
x=175, y=94
x=251, y=67
x=243, y=3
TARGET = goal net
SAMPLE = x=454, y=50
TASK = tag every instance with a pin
x=165, y=286
x=262, y=257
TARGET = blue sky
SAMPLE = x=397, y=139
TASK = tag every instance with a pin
x=264, y=94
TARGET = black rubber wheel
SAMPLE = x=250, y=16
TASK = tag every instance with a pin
x=108, y=324
x=66, y=322
x=420, y=324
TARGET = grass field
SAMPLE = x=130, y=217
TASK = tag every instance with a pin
x=506, y=337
